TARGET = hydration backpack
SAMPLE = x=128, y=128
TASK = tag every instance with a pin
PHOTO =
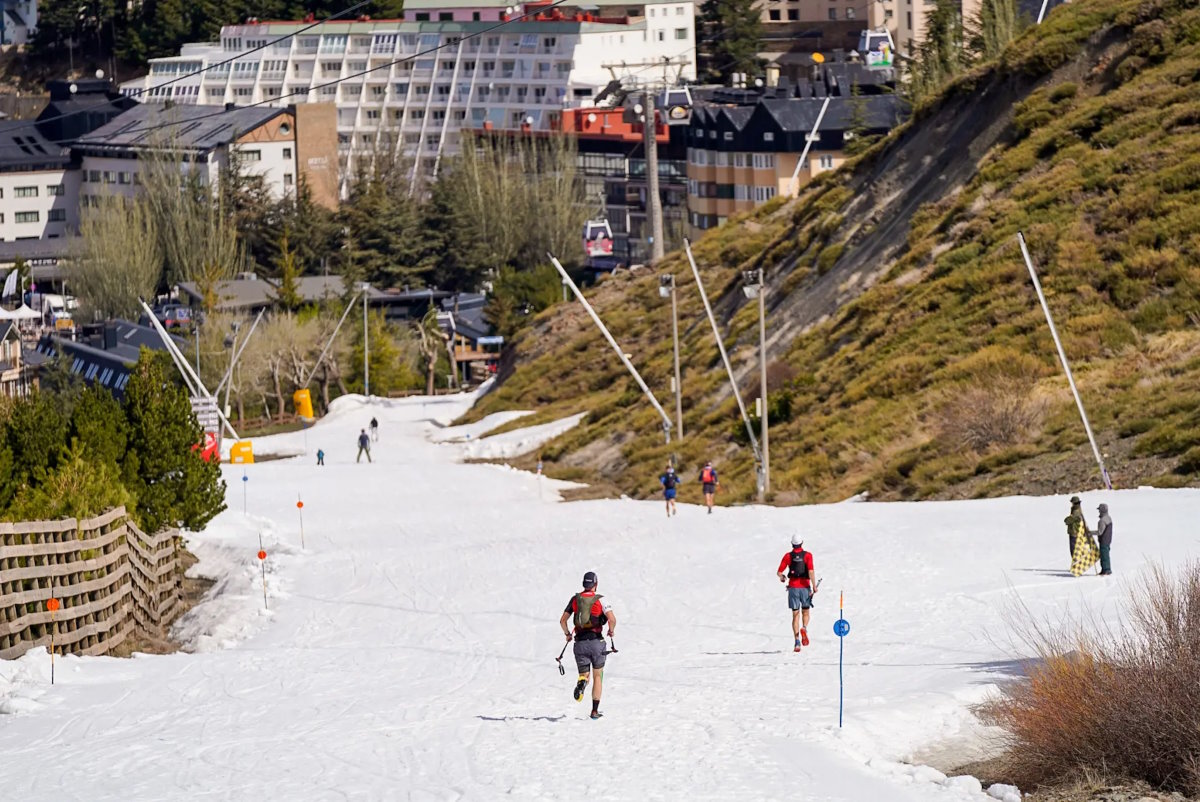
x=706, y=476
x=583, y=612
x=798, y=567
x=669, y=481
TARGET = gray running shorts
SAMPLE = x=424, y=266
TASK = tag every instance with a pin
x=589, y=654
x=799, y=598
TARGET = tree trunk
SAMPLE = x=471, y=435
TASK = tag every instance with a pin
x=278, y=391
x=430, y=369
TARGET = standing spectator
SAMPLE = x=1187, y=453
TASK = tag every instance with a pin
x=1104, y=535
x=320, y=456
x=1075, y=523
x=364, y=446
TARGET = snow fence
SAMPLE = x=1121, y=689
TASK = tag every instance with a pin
x=109, y=578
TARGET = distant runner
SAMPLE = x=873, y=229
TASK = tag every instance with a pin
x=589, y=613
x=374, y=430
x=669, y=481
x=364, y=446
x=796, y=568
x=320, y=457
x=708, y=478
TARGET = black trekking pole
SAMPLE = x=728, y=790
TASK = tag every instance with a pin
x=612, y=645
x=562, y=670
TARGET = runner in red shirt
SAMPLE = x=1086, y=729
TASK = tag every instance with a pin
x=796, y=568
x=590, y=613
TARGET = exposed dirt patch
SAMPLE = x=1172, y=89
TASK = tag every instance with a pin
x=194, y=590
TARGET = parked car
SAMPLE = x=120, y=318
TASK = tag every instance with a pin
x=174, y=316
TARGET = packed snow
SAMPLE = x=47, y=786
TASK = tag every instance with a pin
x=406, y=650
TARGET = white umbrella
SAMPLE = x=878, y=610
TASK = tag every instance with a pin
x=23, y=312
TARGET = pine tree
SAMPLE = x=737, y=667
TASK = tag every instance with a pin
x=35, y=432
x=288, y=291
x=98, y=426
x=733, y=33
x=162, y=468
x=995, y=26
x=940, y=56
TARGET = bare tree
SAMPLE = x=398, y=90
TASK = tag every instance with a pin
x=117, y=259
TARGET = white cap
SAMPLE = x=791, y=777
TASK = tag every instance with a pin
x=797, y=540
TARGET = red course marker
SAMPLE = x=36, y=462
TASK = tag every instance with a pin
x=299, y=505
x=262, y=555
x=52, y=605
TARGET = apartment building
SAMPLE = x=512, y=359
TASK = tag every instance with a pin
x=744, y=145
x=283, y=145
x=409, y=86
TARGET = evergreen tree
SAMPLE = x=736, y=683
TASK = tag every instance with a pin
x=995, y=26
x=35, y=433
x=733, y=34
x=162, y=468
x=940, y=56
x=385, y=230
x=390, y=363
x=460, y=256
x=98, y=426
x=78, y=488
x=288, y=291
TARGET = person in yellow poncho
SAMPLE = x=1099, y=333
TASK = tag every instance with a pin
x=1084, y=553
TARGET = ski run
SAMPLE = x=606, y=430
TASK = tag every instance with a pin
x=408, y=649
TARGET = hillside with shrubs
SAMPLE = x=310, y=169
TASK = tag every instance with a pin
x=908, y=355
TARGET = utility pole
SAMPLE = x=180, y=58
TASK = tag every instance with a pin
x=666, y=286
x=653, y=200
x=366, y=345
x=762, y=364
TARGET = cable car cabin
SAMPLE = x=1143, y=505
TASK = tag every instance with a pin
x=676, y=104
x=877, y=48
x=597, y=239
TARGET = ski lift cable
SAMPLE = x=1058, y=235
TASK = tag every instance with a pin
x=353, y=76
x=312, y=371
x=237, y=356
x=193, y=74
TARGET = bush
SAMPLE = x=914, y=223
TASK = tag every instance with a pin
x=1124, y=704
x=996, y=408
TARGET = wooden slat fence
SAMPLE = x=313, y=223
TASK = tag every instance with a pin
x=110, y=578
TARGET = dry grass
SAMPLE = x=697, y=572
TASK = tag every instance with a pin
x=1120, y=705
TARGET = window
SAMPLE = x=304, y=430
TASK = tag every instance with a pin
x=372, y=114
x=416, y=114
x=216, y=92
x=728, y=136
x=26, y=217
x=739, y=160
x=794, y=14
x=768, y=136
x=763, y=194
x=679, y=11
x=400, y=89
x=287, y=179
x=827, y=162
x=445, y=16
x=833, y=13
x=252, y=155
x=662, y=36
x=330, y=67
x=422, y=16
x=741, y=192
x=123, y=178
x=26, y=192
x=52, y=190
x=378, y=91
x=773, y=14
x=244, y=91
x=110, y=177
x=475, y=17
x=681, y=33
x=764, y=161
x=849, y=12
x=94, y=176
x=908, y=20
x=722, y=159
x=58, y=216
x=287, y=153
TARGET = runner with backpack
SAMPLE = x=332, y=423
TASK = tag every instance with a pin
x=708, y=478
x=802, y=582
x=669, y=480
x=589, y=613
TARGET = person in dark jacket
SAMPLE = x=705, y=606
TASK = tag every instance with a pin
x=1104, y=534
x=364, y=446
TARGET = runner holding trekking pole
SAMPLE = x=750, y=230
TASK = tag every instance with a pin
x=708, y=478
x=590, y=613
x=801, y=581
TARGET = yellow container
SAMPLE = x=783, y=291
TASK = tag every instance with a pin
x=302, y=401
x=241, y=452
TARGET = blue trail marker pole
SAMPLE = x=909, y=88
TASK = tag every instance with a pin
x=841, y=628
x=245, y=479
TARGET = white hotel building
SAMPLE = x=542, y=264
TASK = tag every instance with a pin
x=519, y=76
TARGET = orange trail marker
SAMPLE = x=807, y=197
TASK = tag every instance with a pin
x=262, y=562
x=52, y=605
x=300, y=512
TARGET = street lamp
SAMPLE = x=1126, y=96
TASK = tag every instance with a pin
x=364, y=288
x=231, y=344
x=666, y=289
x=754, y=286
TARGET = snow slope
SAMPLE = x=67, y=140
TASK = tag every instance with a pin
x=408, y=652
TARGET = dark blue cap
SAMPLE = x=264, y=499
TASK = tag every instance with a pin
x=589, y=580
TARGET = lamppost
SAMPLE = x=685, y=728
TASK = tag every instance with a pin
x=231, y=344
x=666, y=288
x=754, y=287
x=364, y=287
